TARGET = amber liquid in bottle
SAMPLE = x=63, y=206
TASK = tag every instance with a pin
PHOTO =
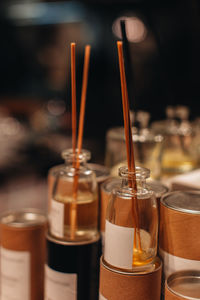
x=145, y=239
x=86, y=224
x=123, y=221
x=74, y=205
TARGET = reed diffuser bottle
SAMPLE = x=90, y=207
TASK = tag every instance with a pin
x=131, y=223
x=74, y=205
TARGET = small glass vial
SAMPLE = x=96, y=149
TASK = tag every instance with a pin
x=74, y=206
x=131, y=228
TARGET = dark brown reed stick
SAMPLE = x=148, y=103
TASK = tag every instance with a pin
x=80, y=140
x=129, y=145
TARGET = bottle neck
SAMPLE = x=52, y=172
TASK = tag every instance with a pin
x=75, y=163
x=128, y=183
x=134, y=181
x=76, y=159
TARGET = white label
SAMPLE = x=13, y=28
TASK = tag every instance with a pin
x=101, y=297
x=118, y=248
x=15, y=275
x=174, y=263
x=60, y=285
x=57, y=218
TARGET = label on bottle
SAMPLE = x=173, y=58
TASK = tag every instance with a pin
x=15, y=275
x=118, y=248
x=60, y=285
x=101, y=297
x=57, y=218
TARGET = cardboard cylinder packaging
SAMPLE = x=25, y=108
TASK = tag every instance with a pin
x=118, y=285
x=102, y=173
x=72, y=269
x=178, y=232
x=183, y=285
x=22, y=255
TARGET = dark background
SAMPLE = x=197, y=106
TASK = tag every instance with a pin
x=162, y=69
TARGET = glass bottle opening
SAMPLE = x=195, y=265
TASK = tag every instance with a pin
x=70, y=156
x=139, y=173
x=133, y=182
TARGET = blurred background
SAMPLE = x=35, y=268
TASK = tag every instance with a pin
x=162, y=62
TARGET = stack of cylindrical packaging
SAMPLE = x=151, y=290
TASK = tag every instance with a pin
x=22, y=254
x=179, y=244
x=60, y=259
x=130, y=268
x=73, y=239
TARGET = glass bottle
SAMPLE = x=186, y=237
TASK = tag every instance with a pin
x=101, y=172
x=131, y=229
x=179, y=155
x=147, y=147
x=74, y=207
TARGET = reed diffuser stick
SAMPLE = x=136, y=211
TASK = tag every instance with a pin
x=126, y=114
x=80, y=140
x=82, y=113
x=83, y=97
x=129, y=149
x=73, y=206
x=73, y=88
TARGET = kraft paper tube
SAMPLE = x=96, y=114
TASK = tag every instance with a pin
x=171, y=296
x=30, y=239
x=183, y=285
x=118, y=285
x=178, y=233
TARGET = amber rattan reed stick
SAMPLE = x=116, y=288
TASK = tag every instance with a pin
x=82, y=112
x=129, y=145
x=83, y=97
x=80, y=139
x=73, y=94
x=73, y=207
x=127, y=123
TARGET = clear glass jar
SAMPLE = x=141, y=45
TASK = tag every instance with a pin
x=131, y=229
x=74, y=206
x=179, y=151
x=147, y=148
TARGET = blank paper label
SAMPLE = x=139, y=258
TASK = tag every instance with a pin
x=118, y=248
x=57, y=218
x=60, y=286
x=15, y=275
x=102, y=297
